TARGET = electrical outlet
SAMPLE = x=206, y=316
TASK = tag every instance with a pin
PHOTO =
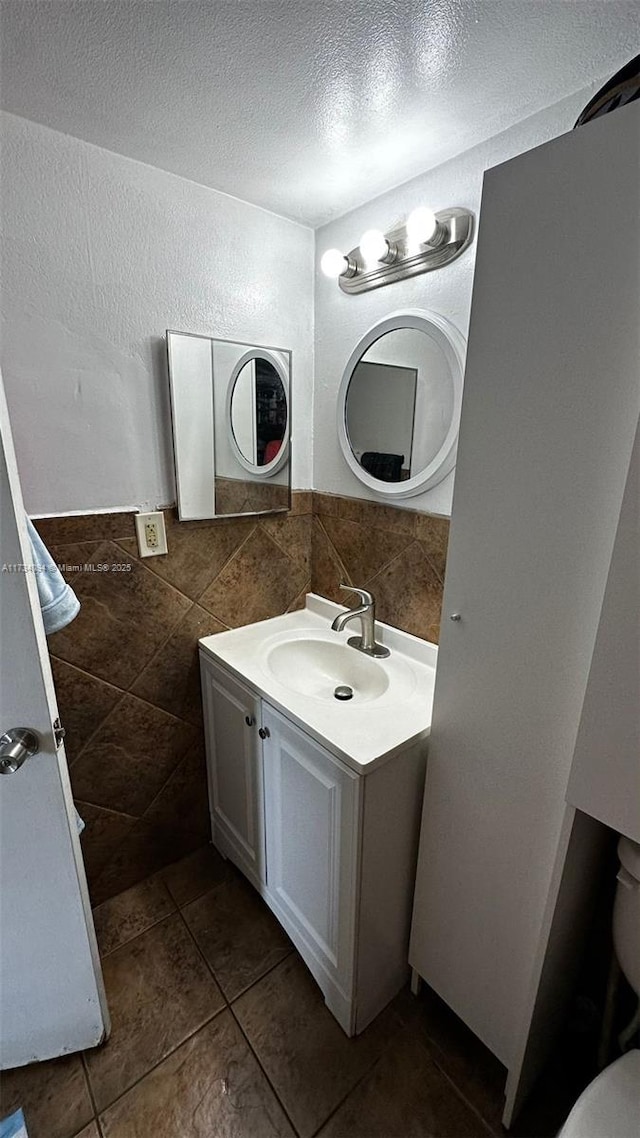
x=150, y=531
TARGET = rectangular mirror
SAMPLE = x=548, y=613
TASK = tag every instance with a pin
x=231, y=417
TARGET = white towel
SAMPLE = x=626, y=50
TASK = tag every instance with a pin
x=58, y=601
x=59, y=605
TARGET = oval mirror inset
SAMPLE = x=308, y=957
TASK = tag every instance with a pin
x=399, y=403
x=258, y=413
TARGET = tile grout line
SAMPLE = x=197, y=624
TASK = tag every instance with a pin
x=91, y=1095
x=190, y=1035
x=122, y=692
x=263, y=976
x=84, y=672
x=158, y=920
x=229, y=1008
x=461, y=1095
x=273, y=538
x=266, y=1076
x=179, y=762
x=107, y=810
x=152, y=659
x=155, y=1066
x=294, y=562
x=351, y=1090
x=223, y=567
x=346, y=576
x=157, y=873
x=438, y=575
x=94, y=733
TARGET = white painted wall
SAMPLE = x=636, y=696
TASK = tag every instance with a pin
x=341, y=320
x=100, y=255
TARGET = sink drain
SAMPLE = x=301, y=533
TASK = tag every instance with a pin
x=343, y=691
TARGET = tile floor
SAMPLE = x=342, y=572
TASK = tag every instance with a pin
x=219, y=1031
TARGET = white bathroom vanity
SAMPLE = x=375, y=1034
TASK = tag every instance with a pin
x=317, y=800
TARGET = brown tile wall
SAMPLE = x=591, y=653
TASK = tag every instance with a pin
x=126, y=669
x=399, y=554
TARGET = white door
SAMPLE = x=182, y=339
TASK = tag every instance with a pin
x=231, y=723
x=51, y=994
x=311, y=825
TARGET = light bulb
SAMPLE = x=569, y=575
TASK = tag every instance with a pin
x=421, y=226
x=334, y=263
x=374, y=246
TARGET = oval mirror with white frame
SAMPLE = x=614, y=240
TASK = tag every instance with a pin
x=399, y=403
x=258, y=412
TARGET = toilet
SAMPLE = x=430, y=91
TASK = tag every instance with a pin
x=610, y=1106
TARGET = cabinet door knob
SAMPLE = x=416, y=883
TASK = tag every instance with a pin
x=455, y=616
x=249, y=720
x=264, y=733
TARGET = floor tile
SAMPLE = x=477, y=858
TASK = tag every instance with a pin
x=237, y=933
x=159, y=991
x=404, y=1096
x=53, y=1095
x=211, y=1087
x=194, y=875
x=128, y=914
x=90, y=1131
x=308, y=1059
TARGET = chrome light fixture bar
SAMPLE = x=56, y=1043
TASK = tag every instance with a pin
x=404, y=255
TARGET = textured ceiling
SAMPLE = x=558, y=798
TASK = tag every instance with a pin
x=305, y=107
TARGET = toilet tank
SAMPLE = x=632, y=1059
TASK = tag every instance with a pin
x=626, y=912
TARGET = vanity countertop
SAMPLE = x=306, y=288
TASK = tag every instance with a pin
x=390, y=710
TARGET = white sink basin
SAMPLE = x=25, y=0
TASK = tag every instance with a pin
x=317, y=667
x=296, y=661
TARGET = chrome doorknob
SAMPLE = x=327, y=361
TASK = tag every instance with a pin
x=455, y=616
x=17, y=745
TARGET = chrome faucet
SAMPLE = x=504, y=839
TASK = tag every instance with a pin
x=367, y=613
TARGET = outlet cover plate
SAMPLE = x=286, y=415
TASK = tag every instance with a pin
x=157, y=519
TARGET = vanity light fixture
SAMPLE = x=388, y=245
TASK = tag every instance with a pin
x=423, y=228
x=425, y=242
x=334, y=264
x=374, y=247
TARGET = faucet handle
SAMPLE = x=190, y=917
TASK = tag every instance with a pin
x=365, y=597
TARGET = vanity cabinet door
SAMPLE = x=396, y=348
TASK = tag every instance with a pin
x=232, y=720
x=311, y=811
